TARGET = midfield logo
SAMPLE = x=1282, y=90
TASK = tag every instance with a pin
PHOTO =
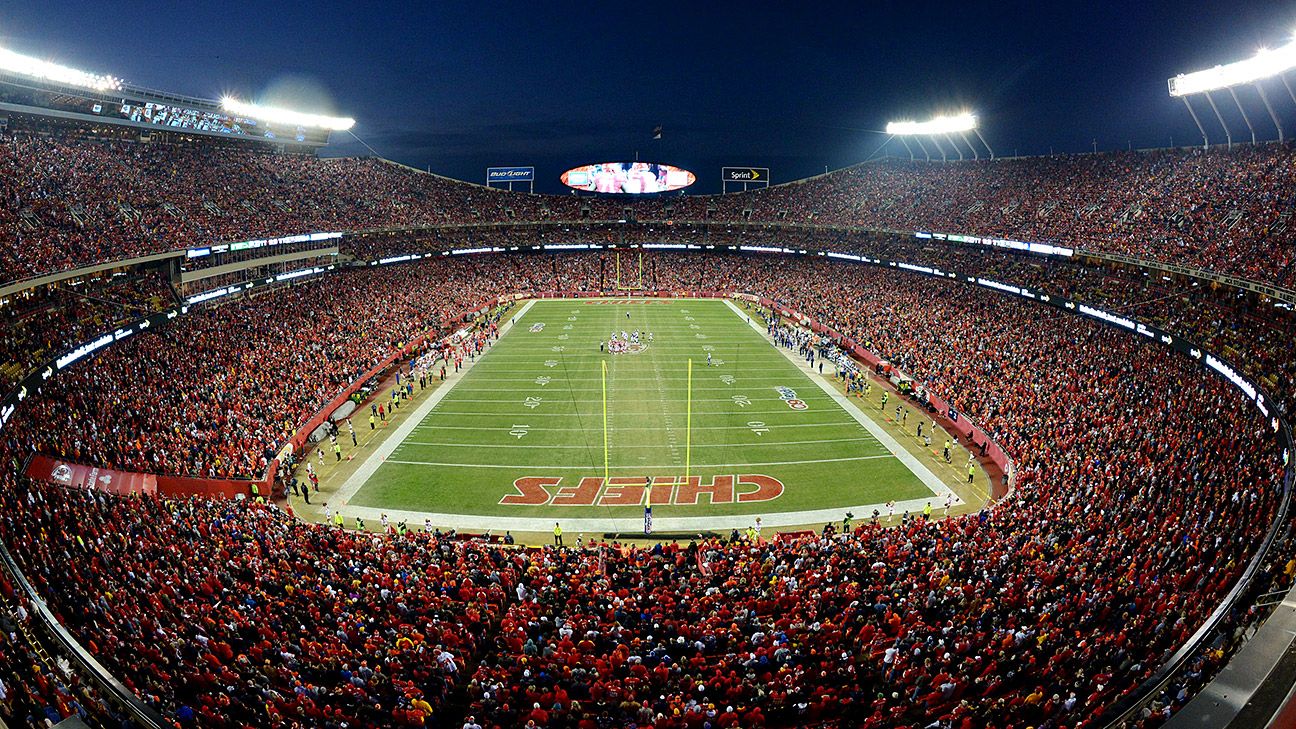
x=639, y=491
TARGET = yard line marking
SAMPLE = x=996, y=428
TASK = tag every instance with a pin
x=515, y=467
x=592, y=353
x=656, y=428
x=771, y=398
x=384, y=450
x=748, y=382
x=575, y=525
x=924, y=474
x=533, y=414
x=867, y=439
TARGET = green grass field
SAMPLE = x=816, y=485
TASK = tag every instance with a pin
x=532, y=409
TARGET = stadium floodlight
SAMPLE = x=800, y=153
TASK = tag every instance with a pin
x=1264, y=64
x=286, y=116
x=17, y=63
x=940, y=126
x=964, y=122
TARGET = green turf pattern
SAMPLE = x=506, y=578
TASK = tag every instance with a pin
x=532, y=407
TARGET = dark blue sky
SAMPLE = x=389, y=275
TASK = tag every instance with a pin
x=791, y=86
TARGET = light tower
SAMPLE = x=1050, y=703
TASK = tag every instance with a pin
x=937, y=127
x=1264, y=64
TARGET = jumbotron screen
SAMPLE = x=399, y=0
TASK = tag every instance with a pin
x=628, y=178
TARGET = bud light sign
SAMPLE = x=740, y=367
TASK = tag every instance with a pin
x=510, y=174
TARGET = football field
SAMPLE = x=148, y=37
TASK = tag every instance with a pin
x=527, y=435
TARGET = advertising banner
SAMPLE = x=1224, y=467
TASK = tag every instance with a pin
x=745, y=174
x=75, y=475
x=509, y=174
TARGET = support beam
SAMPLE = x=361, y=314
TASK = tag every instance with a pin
x=923, y=147
x=975, y=155
x=1245, y=118
x=1286, y=85
x=954, y=144
x=983, y=141
x=1205, y=139
x=936, y=141
x=1272, y=115
x=1228, y=135
x=907, y=148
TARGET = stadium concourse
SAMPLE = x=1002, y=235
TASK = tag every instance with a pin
x=1146, y=486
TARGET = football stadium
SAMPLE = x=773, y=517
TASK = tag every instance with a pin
x=300, y=432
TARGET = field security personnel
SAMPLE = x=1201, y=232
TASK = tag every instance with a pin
x=337, y=451
x=557, y=535
x=927, y=511
x=971, y=472
x=337, y=519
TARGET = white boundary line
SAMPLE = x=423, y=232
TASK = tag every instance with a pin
x=924, y=474
x=623, y=524
x=621, y=413
x=865, y=439
x=833, y=424
x=664, y=467
x=514, y=401
x=586, y=525
x=394, y=440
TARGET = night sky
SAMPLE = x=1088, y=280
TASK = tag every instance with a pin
x=790, y=86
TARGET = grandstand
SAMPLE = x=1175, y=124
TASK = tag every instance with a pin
x=1107, y=342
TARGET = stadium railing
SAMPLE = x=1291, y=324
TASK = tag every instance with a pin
x=142, y=714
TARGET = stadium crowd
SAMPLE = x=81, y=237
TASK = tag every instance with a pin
x=36, y=692
x=228, y=418
x=217, y=392
x=73, y=201
x=958, y=621
x=225, y=614
x=45, y=322
x=1259, y=337
x=1144, y=485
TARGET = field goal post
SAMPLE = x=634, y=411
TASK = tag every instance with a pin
x=634, y=270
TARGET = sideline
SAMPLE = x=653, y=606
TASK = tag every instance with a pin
x=654, y=467
x=924, y=474
x=543, y=524
x=366, y=470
